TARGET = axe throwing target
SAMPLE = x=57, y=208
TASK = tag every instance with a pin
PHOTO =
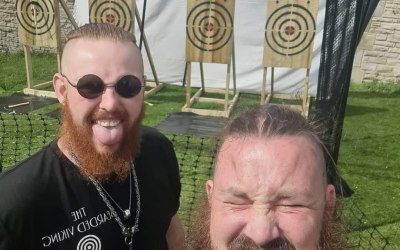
x=209, y=29
x=119, y=13
x=289, y=33
x=37, y=22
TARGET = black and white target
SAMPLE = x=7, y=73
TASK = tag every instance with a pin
x=35, y=17
x=209, y=26
x=118, y=13
x=89, y=242
x=290, y=29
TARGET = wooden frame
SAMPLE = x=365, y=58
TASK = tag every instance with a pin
x=37, y=89
x=289, y=35
x=205, y=44
x=156, y=85
x=197, y=97
x=304, y=99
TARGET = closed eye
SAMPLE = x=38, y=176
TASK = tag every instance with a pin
x=237, y=202
x=291, y=205
x=290, y=208
x=236, y=207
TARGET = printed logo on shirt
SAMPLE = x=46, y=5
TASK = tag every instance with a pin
x=89, y=242
x=82, y=225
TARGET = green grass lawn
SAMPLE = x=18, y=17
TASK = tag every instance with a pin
x=12, y=70
x=369, y=159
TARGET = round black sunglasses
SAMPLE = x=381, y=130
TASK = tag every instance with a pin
x=92, y=86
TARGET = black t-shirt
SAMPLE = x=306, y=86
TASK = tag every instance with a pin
x=46, y=204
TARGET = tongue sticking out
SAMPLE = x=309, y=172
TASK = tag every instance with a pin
x=108, y=135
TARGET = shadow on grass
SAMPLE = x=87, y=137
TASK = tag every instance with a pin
x=372, y=137
x=361, y=233
x=371, y=171
x=369, y=226
x=374, y=94
x=352, y=110
x=168, y=94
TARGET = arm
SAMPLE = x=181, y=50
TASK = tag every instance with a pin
x=175, y=235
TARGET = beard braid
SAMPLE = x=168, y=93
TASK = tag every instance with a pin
x=198, y=235
x=102, y=166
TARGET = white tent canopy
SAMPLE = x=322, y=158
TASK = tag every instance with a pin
x=165, y=29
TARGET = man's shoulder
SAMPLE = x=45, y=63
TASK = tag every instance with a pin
x=154, y=142
x=149, y=132
x=27, y=183
x=151, y=136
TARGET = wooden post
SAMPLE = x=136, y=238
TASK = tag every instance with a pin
x=28, y=65
x=234, y=66
x=69, y=14
x=272, y=81
x=59, y=61
x=202, y=78
x=263, y=86
x=305, y=93
x=146, y=45
x=228, y=79
x=188, y=83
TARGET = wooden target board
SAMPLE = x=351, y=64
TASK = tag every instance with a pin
x=118, y=12
x=209, y=31
x=289, y=33
x=38, y=22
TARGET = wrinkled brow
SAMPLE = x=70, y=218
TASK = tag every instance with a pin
x=281, y=195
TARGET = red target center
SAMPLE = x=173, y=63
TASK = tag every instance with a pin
x=110, y=18
x=209, y=26
x=34, y=12
x=289, y=30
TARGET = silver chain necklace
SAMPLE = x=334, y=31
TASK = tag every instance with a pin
x=127, y=212
x=126, y=231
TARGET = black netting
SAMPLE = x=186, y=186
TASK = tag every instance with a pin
x=362, y=235
x=345, y=21
x=23, y=135
x=196, y=159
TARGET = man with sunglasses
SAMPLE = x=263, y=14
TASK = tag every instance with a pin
x=106, y=182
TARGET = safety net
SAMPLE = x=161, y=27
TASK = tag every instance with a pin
x=21, y=135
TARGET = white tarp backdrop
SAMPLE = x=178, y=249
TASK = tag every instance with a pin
x=165, y=29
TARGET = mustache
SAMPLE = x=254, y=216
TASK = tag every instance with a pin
x=242, y=242
x=119, y=115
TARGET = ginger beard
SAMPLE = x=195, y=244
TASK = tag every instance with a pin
x=198, y=238
x=101, y=166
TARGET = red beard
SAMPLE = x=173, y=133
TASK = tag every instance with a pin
x=102, y=166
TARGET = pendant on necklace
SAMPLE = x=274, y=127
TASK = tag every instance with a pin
x=127, y=214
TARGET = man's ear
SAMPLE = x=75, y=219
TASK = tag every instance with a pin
x=59, y=88
x=330, y=199
x=209, y=189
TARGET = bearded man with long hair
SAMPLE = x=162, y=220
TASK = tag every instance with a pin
x=269, y=188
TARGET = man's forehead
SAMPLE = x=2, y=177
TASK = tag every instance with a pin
x=90, y=48
x=240, y=148
x=279, y=160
